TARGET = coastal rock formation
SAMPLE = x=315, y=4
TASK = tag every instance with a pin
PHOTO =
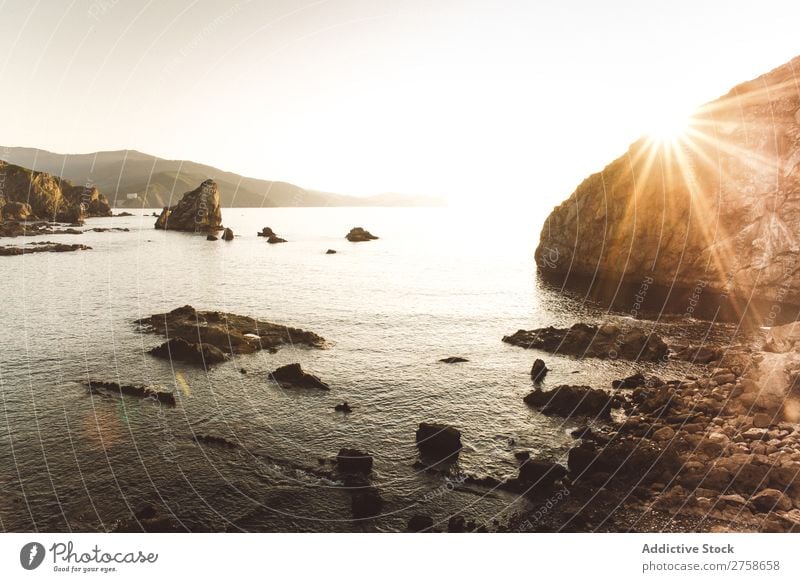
x=227, y=234
x=270, y=235
x=197, y=211
x=40, y=247
x=438, y=440
x=228, y=332
x=151, y=392
x=292, y=375
x=353, y=461
x=179, y=350
x=572, y=400
x=584, y=340
x=544, y=474
x=358, y=234
x=31, y=195
x=538, y=370
x=717, y=208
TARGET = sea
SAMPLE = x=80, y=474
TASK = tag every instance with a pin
x=438, y=283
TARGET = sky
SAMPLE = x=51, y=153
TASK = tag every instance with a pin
x=503, y=101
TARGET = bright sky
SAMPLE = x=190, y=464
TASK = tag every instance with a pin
x=508, y=101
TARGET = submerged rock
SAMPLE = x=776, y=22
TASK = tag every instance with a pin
x=454, y=360
x=228, y=332
x=41, y=247
x=358, y=234
x=151, y=392
x=438, y=440
x=198, y=353
x=572, y=400
x=197, y=211
x=292, y=375
x=343, y=407
x=584, y=340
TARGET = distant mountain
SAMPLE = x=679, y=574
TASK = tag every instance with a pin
x=129, y=178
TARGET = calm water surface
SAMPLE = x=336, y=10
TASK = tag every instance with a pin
x=438, y=283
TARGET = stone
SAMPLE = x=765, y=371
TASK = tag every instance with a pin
x=438, y=440
x=420, y=523
x=762, y=420
x=568, y=401
x=542, y=474
x=770, y=500
x=152, y=392
x=454, y=360
x=538, y=370
x=227, y=234
x=212, y=237
x=353, y=461
x=292, y=375
x=343, y=407
x=197, y=211
x=665, y=433
x=358, y=234
x=179, y=350
x=330, y=252
x=456, y=524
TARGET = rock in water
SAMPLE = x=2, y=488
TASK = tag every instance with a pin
x=26, y=195
x=227, y=234
x=438, y=440
x=353, y=461
x=454, y=360
x=330, y=252
x=538, y=370
x=583, y=340
x=266, y=232
x=343, y=407
x=211, y=237
x=292, y=375
x=572, y=400
x=198, y=353
x=358, y=234
x=715, y=209
x=151, y=392
x=197, y=211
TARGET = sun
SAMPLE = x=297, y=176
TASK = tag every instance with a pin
x=668, y=126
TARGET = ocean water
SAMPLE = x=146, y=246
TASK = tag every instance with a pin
x=438, y=283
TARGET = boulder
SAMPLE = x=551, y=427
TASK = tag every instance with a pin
x=634, y=381
x=330, y=252
x=179, y=350
x=456, y=524
x=228, y=332
x=541, y=474
x=293, y=376
x=267, y=232
x=197, y=211
x=358, y=234
x=273, y=240
x=538, y=370
x=343, y=407
x=584, y=340
x=420, y=523
x=227, y=234
x=212, y=237
x=438, y=440
x=353, y=461
x=770, y=500
x=365, y=502
x=568, y=400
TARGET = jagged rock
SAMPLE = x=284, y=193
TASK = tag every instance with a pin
x=266, y=232
x=353, y=461
x=583, y=340
x=292, y=375
x=179, y=350
x=231, y=333
x=40, y=247
x=572, y=400
x=648, y=212
x=438, y=440
x=227, y=234
x=197, y=211
x=27, y=194
x=454, y=360
x=151, y=392
x=358, y=234
x=538, y=370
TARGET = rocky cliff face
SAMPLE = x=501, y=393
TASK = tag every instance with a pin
x=197, y=211
x=29, y=195
x=717, y=208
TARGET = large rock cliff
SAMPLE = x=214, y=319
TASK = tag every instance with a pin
x=197, y=211
x=28, y=195
x=717, y=208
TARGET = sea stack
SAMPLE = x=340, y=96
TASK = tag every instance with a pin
x=197, y=211
x=716, y=206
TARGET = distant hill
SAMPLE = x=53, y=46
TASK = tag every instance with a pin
x=129, y=178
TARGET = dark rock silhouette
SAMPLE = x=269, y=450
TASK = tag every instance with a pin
x=266, y=232
x=40, y=247
x=584, y=340
x=353, y=461
x=544, y=474
x=152, y=392
x=197, y=211
x=227, y=234
x=572, y=400
x=212, y=237
x=454, y=360
x=292, y=375
x=198, y=353
x=538, y=370
x=228, y=332
x=358, y=234
x=420, y=523
x=438, y=440
x=343, y=407
x=330, y=252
